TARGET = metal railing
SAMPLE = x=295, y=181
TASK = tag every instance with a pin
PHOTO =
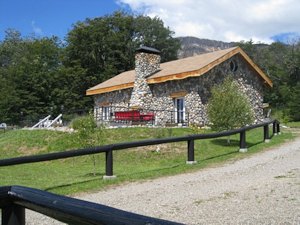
x=108, y=149
x=14, y=199
x=107, y=114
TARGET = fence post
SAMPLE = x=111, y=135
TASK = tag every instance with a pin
x=266, y=133
x=109, y=165
x=274, y=128
x=13, y=215
x=191, y=152
x=243, y=147
x=278, y=127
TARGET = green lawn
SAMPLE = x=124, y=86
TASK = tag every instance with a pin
x=79, y=174
x=293, y=124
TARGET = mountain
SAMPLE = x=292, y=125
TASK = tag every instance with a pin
x=191, y=46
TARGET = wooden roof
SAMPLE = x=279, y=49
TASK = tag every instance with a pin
x=176, y=70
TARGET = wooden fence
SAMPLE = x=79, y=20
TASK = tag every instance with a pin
x=14, y=199
x=108, y=149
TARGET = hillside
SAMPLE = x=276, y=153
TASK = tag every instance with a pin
x=194, y=46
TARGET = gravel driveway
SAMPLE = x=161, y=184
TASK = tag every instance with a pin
x=261, y=189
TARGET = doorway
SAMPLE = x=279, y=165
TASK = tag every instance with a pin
x=179, y=110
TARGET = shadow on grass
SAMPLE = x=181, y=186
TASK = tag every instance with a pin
x=72, y=184
x=223, y=142
x=222, y=155
x=235, y=143
x=98, y=176
x=220, y=142
x=249, y=144
x=93, y=174
x=153, y=170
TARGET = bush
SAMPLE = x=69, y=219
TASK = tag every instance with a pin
x=228, y=108
x=84, y=123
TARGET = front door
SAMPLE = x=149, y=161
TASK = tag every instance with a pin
x=179, y=110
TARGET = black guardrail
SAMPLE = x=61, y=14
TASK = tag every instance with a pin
x=108, y=149
x=14, y=200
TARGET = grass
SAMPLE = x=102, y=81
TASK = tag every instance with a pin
x=73, y=175
x=293, y=124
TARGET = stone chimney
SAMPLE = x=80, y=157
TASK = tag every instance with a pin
x=147, y=62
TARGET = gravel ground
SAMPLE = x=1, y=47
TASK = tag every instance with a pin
x=261, y=189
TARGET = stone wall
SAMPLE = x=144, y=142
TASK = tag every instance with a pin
x=145, y=65
x=197, y=92
x=118, y=100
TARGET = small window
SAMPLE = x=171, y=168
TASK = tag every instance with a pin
x=106, y=113
x=233, y=66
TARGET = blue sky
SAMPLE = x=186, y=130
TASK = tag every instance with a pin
x=50, y=17
x=226, y=20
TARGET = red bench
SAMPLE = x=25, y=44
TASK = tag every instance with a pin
x=133, y=115
x=147, y=117
x=127, y=115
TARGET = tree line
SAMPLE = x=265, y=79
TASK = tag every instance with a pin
x=281, y=62
x=41, y=76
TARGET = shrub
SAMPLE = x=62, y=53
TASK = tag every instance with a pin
x=228, y=108
x=84, y=123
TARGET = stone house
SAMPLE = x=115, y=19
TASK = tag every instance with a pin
x=178, y=91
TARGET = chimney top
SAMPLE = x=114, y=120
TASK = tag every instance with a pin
x=148, y=50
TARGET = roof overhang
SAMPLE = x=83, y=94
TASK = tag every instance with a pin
x=187, y=74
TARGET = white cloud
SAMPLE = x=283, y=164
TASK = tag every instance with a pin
x=37, y=30
x=226, y=20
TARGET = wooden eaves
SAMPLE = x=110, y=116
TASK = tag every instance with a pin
x=183, y=75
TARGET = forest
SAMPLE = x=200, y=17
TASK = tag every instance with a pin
x=42, y=76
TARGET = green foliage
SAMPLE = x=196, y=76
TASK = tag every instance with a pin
x=86, y=129
x=105, y=46
x=84, y=123
x=41, y=76
x=27, y=74
x=281, y=62
x=281, y=115
x=228, y=108
x=88, y=134
x=294, y=103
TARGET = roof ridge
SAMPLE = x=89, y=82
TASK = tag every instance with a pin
x=177, y=69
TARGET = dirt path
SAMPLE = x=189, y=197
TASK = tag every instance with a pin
x=261, y=189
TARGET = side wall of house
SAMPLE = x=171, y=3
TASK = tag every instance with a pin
x=196, y=92
x=118, y=100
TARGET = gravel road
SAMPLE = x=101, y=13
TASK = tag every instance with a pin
x=261, y=189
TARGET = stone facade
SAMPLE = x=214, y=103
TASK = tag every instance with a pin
x=145, y=65
x=195, y=91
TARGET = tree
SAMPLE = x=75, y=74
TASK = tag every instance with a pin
x=281, y=62
x=228, y=108
x=105, y=46
x=294, y=104
x=27, y=74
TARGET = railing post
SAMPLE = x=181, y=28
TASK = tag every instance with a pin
x=109, y=165
x=278, y=127
x=191, y=152
x=274, y=128
x=13, y=215
x=243, y=147
x=266, y=133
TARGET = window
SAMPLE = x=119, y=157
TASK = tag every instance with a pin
x=233, y=66
x=106, y=113
x=179, y=110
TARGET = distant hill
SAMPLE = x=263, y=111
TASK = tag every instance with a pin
x=191, y=46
